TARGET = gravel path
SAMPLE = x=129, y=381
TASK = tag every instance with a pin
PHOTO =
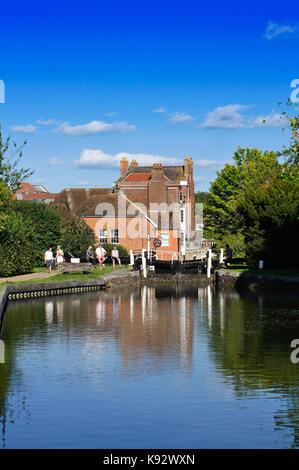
x=28, y=277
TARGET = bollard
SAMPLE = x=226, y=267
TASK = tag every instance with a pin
x=209, y=263
x=261, y=264
x=221, y=259
x=131, y=258
x=143, y=263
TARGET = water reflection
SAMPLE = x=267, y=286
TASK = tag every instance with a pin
x=190, y=348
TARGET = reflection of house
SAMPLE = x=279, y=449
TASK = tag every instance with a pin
x=145, y=203
x=34, y=192
x=153, y=333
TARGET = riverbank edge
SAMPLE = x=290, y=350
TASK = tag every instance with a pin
x=234, y=280
x=73, y=286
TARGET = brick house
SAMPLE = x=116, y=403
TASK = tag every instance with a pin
x=34, y=192
x=144, y=204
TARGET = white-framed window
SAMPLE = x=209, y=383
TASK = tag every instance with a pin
x=103, y=238
x=165, y=239
x=114, y=236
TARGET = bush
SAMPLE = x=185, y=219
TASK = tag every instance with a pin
x=236, y=242
x=76, y=237
x=16, y=247
x=271, y=226
x=123, y=252
x=46, y=223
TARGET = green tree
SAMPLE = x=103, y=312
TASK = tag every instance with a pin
x=46, y=222
x=291, y=151
x=251, y=168
x=76, y=237
x=5, y=198
x=269, y=217
x=10, y=156
x=16, y=246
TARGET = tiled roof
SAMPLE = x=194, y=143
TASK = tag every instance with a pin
x=39, y=196
x=82, y=201
x=172, y=173
x=26, y=188
x=138, y=177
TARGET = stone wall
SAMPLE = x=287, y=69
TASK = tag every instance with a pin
x=256, y=281
x=122, y=277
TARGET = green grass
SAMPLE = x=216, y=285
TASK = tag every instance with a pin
x=40, y=270
x=243, y=268
x=94, y=274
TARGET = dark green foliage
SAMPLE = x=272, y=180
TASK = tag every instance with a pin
x=270, y=222
x=121, y=249
x=16, y=246
x=76, y=237
x=46, y=224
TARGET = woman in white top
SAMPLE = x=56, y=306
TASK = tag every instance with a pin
x=115, y=257
x=59, y=257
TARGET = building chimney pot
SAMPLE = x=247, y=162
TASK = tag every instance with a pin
x=124, y=166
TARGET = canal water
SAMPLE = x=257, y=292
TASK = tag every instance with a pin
x=151, y=367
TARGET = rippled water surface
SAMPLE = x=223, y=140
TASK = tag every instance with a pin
x=155, y=367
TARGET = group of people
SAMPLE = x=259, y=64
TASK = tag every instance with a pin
x=101, y=256
x=51, y=260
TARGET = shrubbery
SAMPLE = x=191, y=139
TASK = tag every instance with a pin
x=76, y=236
x=47, y=225
x=121, y=249
x=16, y=247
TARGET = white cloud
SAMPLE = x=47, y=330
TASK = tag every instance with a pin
x=271, y=120
x=48, y=122
x=111, y=114
x=55, y=161
x=82, y=183
x=40, y=180
x=98, y=159
x=94, y=127
x=28, y=129
x=180, y=117
x=225, y=117
x=229, y=117
x=159, y=110
x=273, y=30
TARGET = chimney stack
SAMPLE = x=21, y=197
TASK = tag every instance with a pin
x=188, y=164
x=157, y=172
x=134, y=163
x=124, y=166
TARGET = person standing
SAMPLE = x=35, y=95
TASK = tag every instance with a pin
x=228, y=254
x=89, y=255
x=59, y=257
x=48, y=259
x=115, y=257
x=100, y=254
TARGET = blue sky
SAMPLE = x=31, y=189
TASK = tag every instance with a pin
x=89, y=82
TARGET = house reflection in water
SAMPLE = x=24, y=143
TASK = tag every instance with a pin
x=148, y=327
